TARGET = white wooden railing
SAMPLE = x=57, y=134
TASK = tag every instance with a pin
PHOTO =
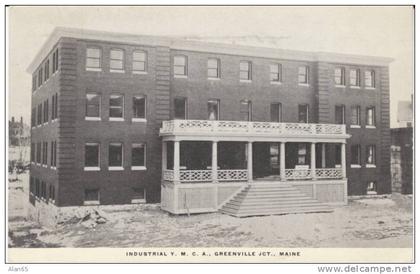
x=329, y=173
x=258, y=128
x=297, y=174
x=232, y=175
x=195, y=176
x=320, y=173
x=168, y=175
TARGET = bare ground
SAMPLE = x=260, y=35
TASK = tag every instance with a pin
x=380, y=222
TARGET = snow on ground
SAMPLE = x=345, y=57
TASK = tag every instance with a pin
x=381, y=222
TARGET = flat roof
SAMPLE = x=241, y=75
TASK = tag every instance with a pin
x=200, y=46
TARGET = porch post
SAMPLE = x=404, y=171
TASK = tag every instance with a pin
x=343, y=159
x=164, y=155
x=176, y=161
x=282, y=161
x=313, y=162
x=323, y=164
x=214, y=161
x=249, y=162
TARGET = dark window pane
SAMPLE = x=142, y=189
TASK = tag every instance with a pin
x=303, y=114
x=115, y=155
x=92, y=194
x=138, y=154
x=92, y=155
x=93, y=105
x=139, y=107
x=275, y=112
x=116, y=106
x=180, y=108
x=213, y=109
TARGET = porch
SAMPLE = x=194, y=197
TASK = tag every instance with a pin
x=206, y=163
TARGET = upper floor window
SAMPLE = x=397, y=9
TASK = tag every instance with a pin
x=355, y=115
x=138, y=156
x=139, y=61
x=355, y=155
x=39, y=115
x=32, y=152
x=54, y=107
x=370, y=116
x=93, y=59
x=340, y=114
x=245, y=70
x=213, y=109
x=180, y=65
x=116, y=107
x=275, y=112
x=371, y=155
x=33, y=117
x=213, y=68
x=47, y=70
x=275, y=73
x=370, y=79
x=180, y=108
x=115, y=155
x=38, y=153
x=53, y=155
x=55, y=61
x=355, y=77
x=34, y=83
x=91, y=156
x=303, y=113
x=339, y=76
x=139, y=107
x=46, y=104
x=246, y=110
x=116, y=60
x=303, y=75
x=93, y=106
x=45, y=153
x=40, y=77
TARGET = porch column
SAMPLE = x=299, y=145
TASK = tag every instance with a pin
x=323, y=160
x=313, y=162
x=282, y=161
x=176, y=161
x=214, y=161
x=164, y=155
x=343, y=159
x=249, y=162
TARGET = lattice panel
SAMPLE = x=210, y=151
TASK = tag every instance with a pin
x=195, y=175
x=297, y=174
x=265, y=127
x=232, y=175
x=168, y=175
x=329, y=173
x=232, y=126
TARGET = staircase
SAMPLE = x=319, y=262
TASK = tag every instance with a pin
x=272, y=198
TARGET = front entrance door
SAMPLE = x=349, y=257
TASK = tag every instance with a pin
x=266, y=160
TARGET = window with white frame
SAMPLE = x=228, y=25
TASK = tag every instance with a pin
x=116, y=107
x=355, y=115
x=303, y=113
x=275, y=73
x=180, y=65
x=275, y=112
x=47, y=70
x=355, y=77
x=40, y=77
x=303, y=75
x=139, y=108
x=139, y=61
x=303, y=158
x=371, y=155
x=116, y=60
x=91, y=196
x=339, y=76
x=92, y=156
x=246, y=110
x=340, y=114
x=94, y=59
x=213, y=68
x=138, y=156
x=115, y=155
x=355, y=155
x=245, y=70
x=370, y=79
x=370, y=116
x=180, y=108
x=55, y=61
x=93, y=106
x=44, y=153
x=213, y=109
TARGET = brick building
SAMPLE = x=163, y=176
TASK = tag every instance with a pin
x=125, y=119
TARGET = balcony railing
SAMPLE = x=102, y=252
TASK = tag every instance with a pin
x=175, y=127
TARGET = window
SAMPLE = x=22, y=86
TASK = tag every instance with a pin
x=93, y=106
x=303, y=154
x=55, y=61
x=92, y=156
x=246, y=110
x=91, y=196
x=213, y=68
x=51, y=193
x=303, y=113
x=93, y=59
x=34, y=83
x=53, y=158
x=371, y=188
x=115, y=157
x=370, y=79
x=32, y=152
x=45, y=153
x=303, y=75
x=139, y=61
x=33, y=117
x=355, y=156
x=339, y=76
x=38, y=153
x=138, y=156
x=275, y=112
x=340, y=114
x=180, y=108
x=31, y=185
x=46, y=111
x=43, y=190
x=39, y=115
x=116, y=60
x=370, y=117
x=139, y=108
x=245, y=70
x=370, y=156
x=139, y=195
x=275, y=73
x=213, y=109
x=54, y=110
x=355, y=115
x=338, y=156
x=355, y=77
x=37, y=188
x=40, y=78
x=116, y=107
x=180, y=65
x=47, y=70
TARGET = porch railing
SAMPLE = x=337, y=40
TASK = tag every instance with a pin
x=297, y=174
x=320, y=173
x=195, y=175
x=242, y=127
x=329, y=173
x=232, y=175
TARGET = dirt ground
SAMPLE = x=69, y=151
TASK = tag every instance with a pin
x=380, y=222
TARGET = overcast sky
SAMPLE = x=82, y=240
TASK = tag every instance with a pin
x=377, y=31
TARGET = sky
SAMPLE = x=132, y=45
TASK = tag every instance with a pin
x=377, y=31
